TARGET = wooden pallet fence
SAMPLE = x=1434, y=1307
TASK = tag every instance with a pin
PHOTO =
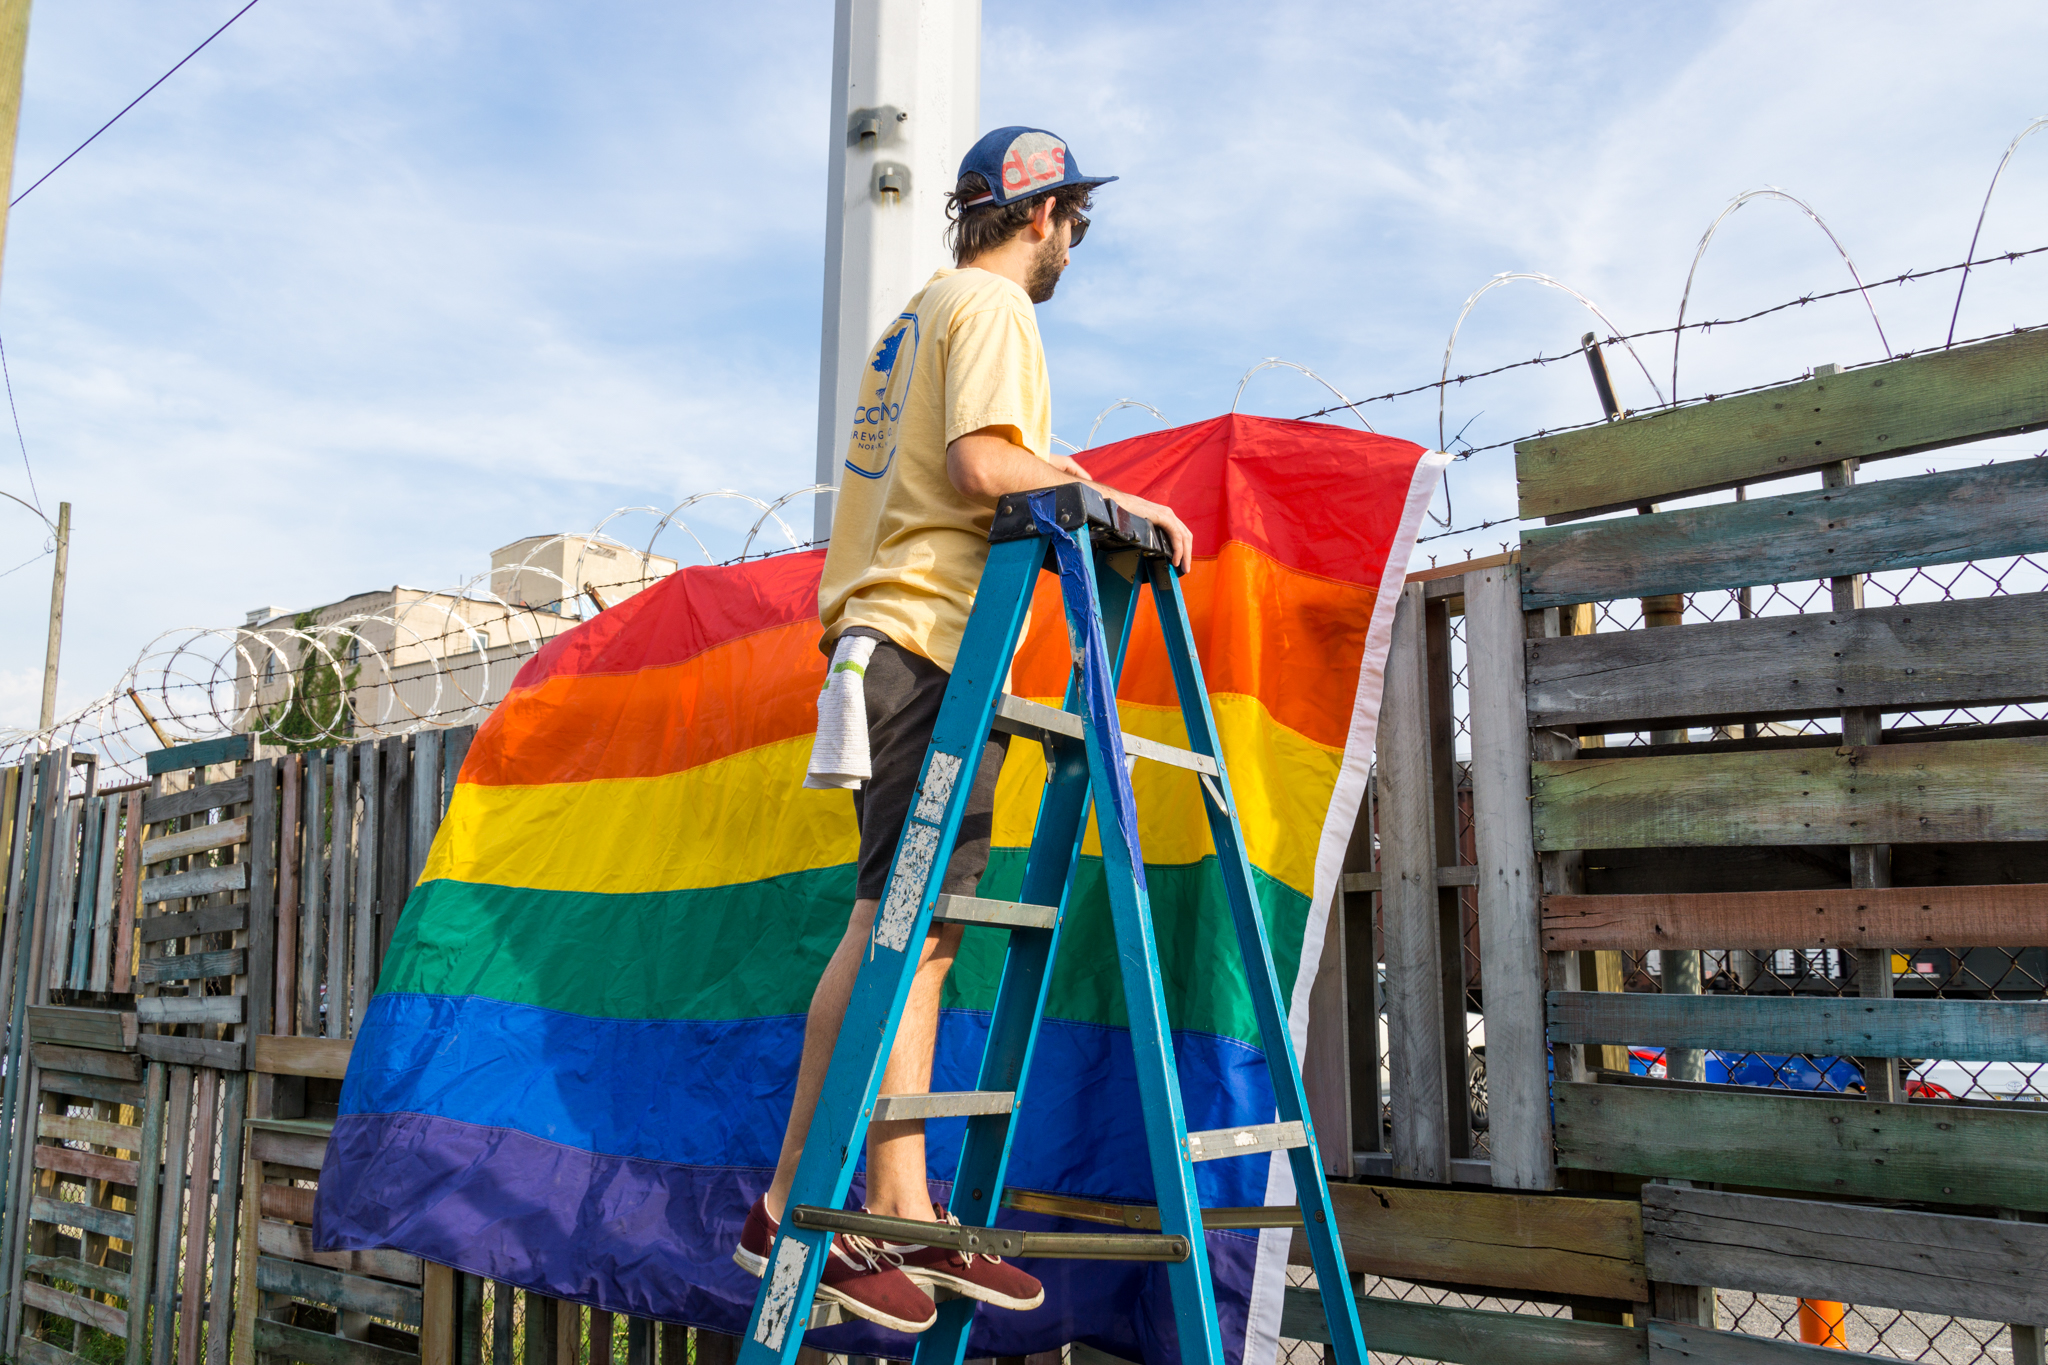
x=1944, y=398
x=1821, y=1026
x=1894, y=1258
x=154, y=939
x=2014, y=916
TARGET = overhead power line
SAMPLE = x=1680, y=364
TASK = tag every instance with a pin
x=132, y=103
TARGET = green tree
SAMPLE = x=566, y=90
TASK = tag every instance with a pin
x=315, y=716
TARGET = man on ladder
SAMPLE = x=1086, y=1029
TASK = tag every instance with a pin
x=955, y=411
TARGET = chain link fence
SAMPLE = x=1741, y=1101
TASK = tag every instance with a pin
x=1977, y=972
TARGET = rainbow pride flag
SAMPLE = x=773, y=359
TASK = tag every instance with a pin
x=576, y=1069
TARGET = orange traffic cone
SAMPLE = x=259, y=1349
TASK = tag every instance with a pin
x=1820, y=1323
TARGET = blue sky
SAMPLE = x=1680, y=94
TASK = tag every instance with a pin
x=369, y=288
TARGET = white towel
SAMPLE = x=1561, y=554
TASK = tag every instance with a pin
x=839, y=754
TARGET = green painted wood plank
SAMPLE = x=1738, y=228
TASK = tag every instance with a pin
x=1680, y=1343
x=399, y=1303
x=1944, y=398
x=1984, y=513
x=1968, y=790
x=1830, y=1026
x=64, y=1213
x=322, y=1348
x=1394, y=1327
x=226, y=749
x=35, y=1351
x=79, y=1272
x=1944, y=1154
x=1984, y=650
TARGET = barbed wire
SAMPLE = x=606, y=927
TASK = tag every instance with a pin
x=429, y=659
x=1621, y=338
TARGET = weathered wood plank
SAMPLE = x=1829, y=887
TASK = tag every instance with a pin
x=1678, y=1343
x=103, y=1030
x=102, y=1278
x=91, y=1087
x=288, y=1202
x=215, y=919
x=198, y=839
x=1880, y=917
x=1393, y=1328
x=1925, y=402
x=91, y=1312
x=292, y=1149
x=295, y=1243
x=97, y=1131
x=1554, y=1244
x=148, y=1199
x=36, y=1351
x=1831, y=1026
x=1987, y=789
x=89, y=1165
x=202, y=754
x=320, y=1348
x=192, y=966
x=228, y=1223
x=126, y=893
x=204, y=881
x=262, y=860
x=1979, y=651
x=163, y=1047
x=1933, y=1152
x=156, y=809
x=282, y=1056
x=1893, y=1258
x=1518, y=1098
x=88, y=1217
x=87, y=1061
x=399, y=1303
x=1408, y=907
x=191, y=1009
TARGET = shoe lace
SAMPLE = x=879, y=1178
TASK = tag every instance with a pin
x=867, y=1251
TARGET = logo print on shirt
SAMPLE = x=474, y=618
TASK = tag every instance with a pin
x=879, y=403
x=1033, y=161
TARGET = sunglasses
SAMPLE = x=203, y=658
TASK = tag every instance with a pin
x=1080, y=222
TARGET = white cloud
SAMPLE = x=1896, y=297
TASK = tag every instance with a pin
x=367, y=289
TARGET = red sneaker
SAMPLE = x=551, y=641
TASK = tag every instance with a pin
x=973, y=1275
x=858, y=1276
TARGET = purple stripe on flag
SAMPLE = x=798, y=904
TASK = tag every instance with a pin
x=655, y=1239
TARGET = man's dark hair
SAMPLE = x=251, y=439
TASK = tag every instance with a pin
x=974, y=231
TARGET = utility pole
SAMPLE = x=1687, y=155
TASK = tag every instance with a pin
x=56, y=617
x=906, y=106
x=13, y=51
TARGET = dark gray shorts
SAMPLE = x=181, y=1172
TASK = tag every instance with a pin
x=903, y=691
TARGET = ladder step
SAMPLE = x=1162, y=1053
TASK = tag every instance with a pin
x=945, y=1105
x=1246, y=1141
x=1070, y=1246
x=1035, y=720
x=998, y=914
x=1145, y=1215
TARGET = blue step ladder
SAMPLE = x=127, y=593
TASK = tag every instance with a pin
x=1103, y=556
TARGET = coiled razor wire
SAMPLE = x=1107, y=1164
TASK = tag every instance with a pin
x=436, y=660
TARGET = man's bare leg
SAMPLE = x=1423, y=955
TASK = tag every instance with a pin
x=896, y=1170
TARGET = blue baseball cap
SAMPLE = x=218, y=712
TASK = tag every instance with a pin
x=1019, y=162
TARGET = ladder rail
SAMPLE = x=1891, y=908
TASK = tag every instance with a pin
x=1158, y=1078
x=1021, y=990
x=853, y=1078
x=1255, y=949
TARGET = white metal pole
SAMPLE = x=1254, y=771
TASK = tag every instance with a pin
x=906, y=106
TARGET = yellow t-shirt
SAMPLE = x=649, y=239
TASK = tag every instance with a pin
x=907, y=549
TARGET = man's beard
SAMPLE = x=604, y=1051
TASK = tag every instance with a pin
x=1044, y=275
